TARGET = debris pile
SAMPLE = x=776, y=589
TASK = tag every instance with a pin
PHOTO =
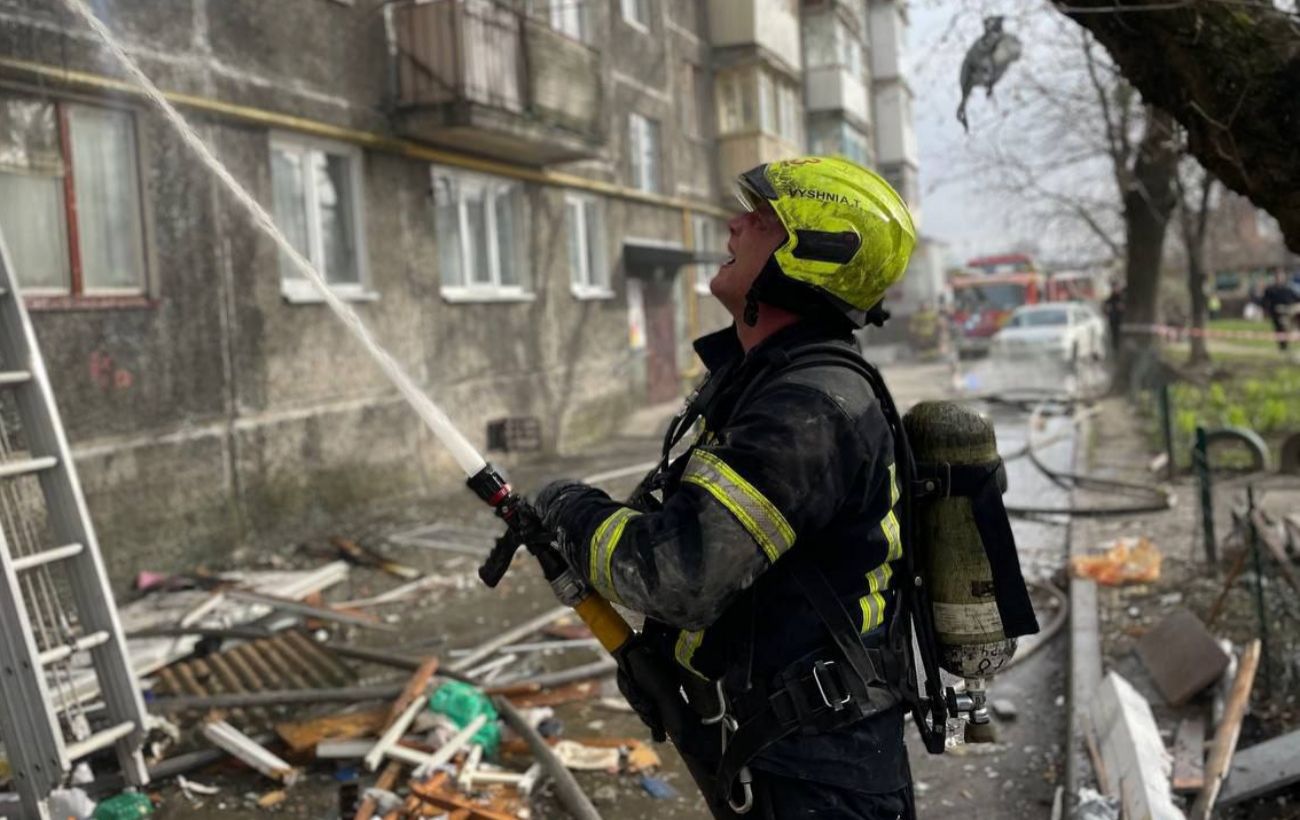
x=255, y=678
x=1171, y=732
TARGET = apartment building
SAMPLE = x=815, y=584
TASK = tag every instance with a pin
x=509, y=193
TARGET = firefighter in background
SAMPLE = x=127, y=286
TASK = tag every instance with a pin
x=763, y=556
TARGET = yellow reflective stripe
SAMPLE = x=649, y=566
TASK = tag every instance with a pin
x=893, y=535
x=603, y=543
x=760, y=517
x=684, y=651
x=873, y=603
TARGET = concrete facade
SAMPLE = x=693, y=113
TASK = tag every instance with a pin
x=214, y=405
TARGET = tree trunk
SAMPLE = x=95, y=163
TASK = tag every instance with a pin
x=1200, y=353
x=1229, y=73
x=1194, y=225
x=1148, y=203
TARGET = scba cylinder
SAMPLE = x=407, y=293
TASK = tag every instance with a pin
x=949, y=550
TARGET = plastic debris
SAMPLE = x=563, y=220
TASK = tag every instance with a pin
x=75, y=803
x=462, y=702
x=578, y=757
x=1125, y=561
x=657, y=788
x=125, y=806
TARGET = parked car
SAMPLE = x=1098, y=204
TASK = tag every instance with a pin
x=1070, y=330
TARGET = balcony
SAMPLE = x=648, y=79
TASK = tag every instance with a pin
x=835, y=88
x=478, y=76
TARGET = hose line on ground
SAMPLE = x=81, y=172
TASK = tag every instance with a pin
x=1154, y=498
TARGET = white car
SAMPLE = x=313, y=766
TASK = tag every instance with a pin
x=1071, y=331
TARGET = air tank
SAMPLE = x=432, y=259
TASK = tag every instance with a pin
x=951, y=555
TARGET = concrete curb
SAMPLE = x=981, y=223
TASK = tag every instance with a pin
x=1085, y=641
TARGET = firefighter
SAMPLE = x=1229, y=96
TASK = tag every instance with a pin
x=763, y=558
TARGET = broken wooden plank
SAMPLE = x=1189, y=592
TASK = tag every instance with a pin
x=1263, y=768
x=1189, y=755
x=1225, y=737
x=1268, y=537
x=1133, y=752
x=302, y=735
x=387, y=780
x=1181, y=656
x=416, y=687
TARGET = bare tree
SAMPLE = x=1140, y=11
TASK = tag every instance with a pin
x=1195, y=188
x=1228, y=72
x=1088, y=154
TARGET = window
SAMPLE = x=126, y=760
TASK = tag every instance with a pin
x=643, y=150
x=789, y=114
x=752, y=99
x=636, y=12
x=564, y=16
x=589, y=275
x=705, y=232
x=316, y=191
x=693, y=101
x=478, y=223
x=736, y=102
x=71, y=208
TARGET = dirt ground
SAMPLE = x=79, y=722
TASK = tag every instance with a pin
x=1186, y=580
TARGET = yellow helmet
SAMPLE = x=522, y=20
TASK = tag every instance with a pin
x=850, y=234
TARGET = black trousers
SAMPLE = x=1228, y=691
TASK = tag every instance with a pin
x=780, y=798
x=1279, y=325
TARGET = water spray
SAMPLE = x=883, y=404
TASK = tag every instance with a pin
x=525, y=526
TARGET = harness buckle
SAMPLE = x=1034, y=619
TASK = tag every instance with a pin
x=722, y=706
x=825, y=666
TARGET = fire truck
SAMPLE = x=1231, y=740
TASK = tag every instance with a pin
x=985, y=296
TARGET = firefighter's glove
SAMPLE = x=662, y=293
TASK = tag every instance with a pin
x=555, y=504
x=638, y=656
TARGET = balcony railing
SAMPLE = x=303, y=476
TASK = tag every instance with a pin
x=484, y=76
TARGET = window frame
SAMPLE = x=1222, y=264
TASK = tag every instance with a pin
x=297, y=290
x=492, y=189
x=584, y=282
x=628, y=12
x=638, y=150
x=76, y=296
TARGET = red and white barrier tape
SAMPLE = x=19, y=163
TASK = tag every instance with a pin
x=1176, y=333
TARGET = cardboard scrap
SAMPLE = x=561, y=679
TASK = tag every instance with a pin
x=1182, y=656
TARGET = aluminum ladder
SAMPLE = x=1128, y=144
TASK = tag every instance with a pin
x=56, y=605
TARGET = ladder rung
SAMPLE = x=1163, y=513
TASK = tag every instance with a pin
x=47, y=557
x=27, y=466
x=100, y=740
x=83, y=643
x=11, y=377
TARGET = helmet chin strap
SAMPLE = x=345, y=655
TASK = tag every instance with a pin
x=751, y=308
